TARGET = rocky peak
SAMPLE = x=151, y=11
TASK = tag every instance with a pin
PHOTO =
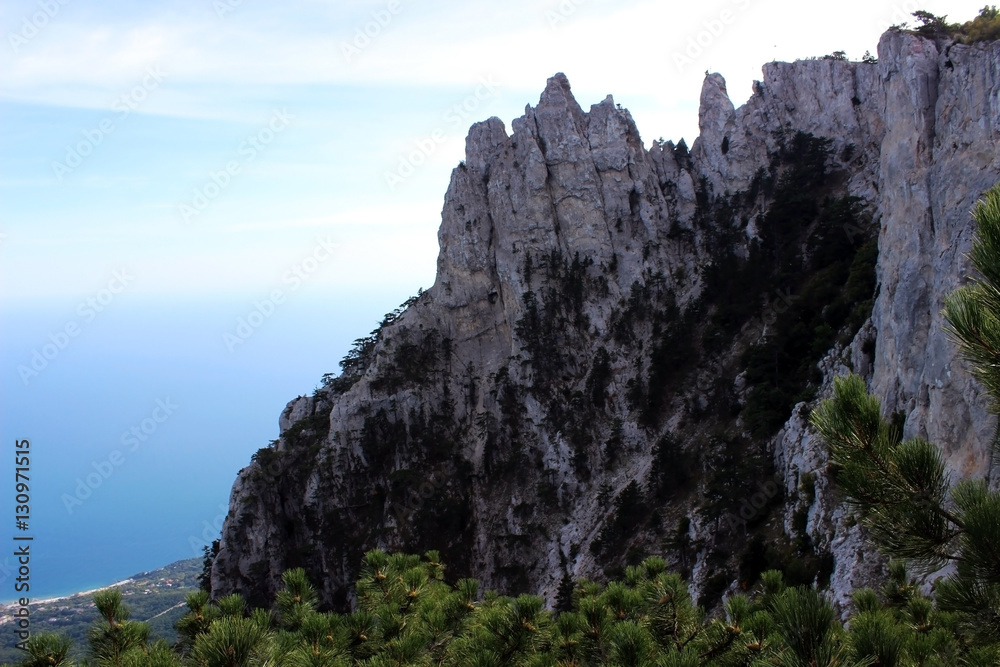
x=621, y=345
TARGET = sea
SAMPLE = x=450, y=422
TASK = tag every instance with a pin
x=138, y=421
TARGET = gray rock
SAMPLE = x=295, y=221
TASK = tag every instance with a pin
x=459, y=435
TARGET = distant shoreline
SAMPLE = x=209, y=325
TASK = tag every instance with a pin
x=13, y=603
x=6, y=604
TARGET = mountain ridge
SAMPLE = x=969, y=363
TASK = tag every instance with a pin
x=589, y=378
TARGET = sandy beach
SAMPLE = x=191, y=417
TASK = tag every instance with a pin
x=5, y=607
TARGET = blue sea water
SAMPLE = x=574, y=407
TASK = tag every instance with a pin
x=105, y=504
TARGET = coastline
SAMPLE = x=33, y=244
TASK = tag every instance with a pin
x=59, y=598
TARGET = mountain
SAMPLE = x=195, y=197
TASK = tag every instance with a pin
x=622, y=345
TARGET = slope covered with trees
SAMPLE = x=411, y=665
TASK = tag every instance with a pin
x=408, y=615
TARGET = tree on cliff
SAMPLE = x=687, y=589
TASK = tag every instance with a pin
x=983, y=28
x=900, y=488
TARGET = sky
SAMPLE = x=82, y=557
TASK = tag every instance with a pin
x=207, y=201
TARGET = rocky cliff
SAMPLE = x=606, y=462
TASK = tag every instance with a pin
x=622, y=344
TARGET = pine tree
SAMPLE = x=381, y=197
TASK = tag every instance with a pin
x=47, y=650
x=116, y=641
x=196, y=621
x=234, y=641
x=297, y=600
x=900, y=488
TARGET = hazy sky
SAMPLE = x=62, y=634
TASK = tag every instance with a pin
x=209, y=147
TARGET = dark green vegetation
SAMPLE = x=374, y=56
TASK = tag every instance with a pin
x=803, y=286
x=357, y=360
x=407, y=614
x=812, y=275
x=985, y=27
x=809, y=279
x=157, y=597
x=426, y=436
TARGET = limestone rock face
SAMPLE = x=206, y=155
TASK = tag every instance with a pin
x=574, y=389
x=938, y=156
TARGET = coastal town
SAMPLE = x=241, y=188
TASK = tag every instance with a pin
x=156, y=596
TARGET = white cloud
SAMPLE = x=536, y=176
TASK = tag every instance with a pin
x=603, y=45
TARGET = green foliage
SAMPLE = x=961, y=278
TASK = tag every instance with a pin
x=973, y=312
x=672, y=468
x=308, y=430
x=406, y=614
x=205, y=577
x=47, y=650
x=381, y=436
x=630, y=511
x=554, y=313
x=810, y=279
x=413, y=363
x=196, y=621
x=671, y=354
x=781, y=369
x=798, y=563
x=805, y=622
x=296, y=601
x=736, y=467
x=267, y=457
x=898, y=487
x=115, y=640
x=361, y=355
x=930, y=24
x=613, y=446
x=354, y=364
x=984, y=27
x=234, y=641
x=599, y=377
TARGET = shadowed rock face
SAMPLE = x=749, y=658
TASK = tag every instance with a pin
x=580, y=384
